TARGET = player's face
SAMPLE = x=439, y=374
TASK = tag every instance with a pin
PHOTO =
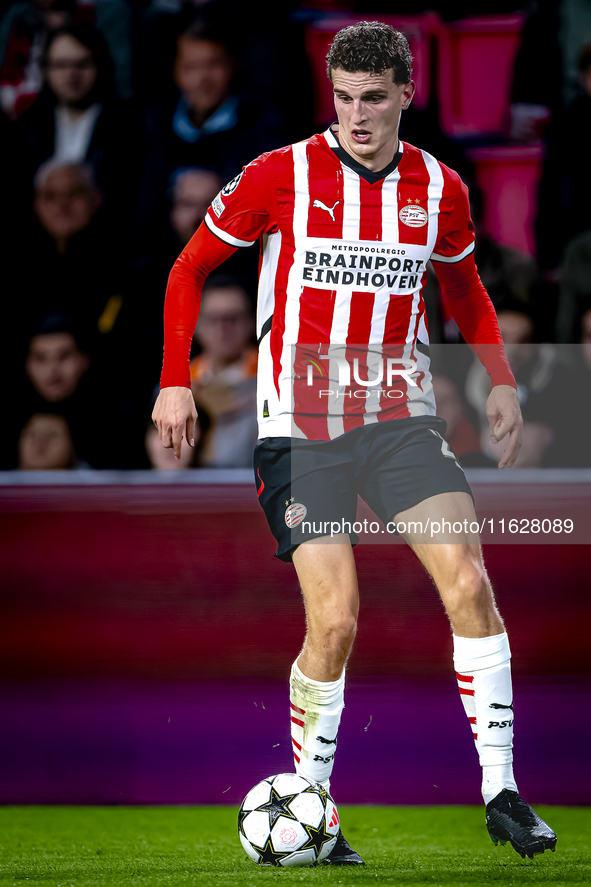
x=368, y=108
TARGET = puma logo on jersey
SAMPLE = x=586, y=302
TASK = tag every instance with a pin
x=330, y=210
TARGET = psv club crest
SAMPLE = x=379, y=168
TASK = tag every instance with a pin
x=413, y=215
x=294, y=514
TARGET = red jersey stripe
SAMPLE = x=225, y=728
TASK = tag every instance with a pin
x=413, y=214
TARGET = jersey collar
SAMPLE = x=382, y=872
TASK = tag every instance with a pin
x=362, y=171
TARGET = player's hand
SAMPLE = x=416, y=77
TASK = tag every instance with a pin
x=174, y=414
x=504, y=418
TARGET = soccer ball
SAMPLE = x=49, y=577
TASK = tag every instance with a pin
x=288, y=820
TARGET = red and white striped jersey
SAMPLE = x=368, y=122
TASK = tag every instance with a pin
x=340, y=313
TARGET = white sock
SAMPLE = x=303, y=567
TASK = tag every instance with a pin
x=316, y=708
x=483, y=670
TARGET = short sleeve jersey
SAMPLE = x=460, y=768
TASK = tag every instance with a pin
x=340, y=315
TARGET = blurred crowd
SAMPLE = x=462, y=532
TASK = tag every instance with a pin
x=120, y=120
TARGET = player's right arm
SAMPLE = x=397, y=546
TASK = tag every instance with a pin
x=174, y=413
x=236, y=218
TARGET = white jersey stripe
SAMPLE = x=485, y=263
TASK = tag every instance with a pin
x=390, y=208
x=416, y=326
x=434, y=192
x=294, y=287
x=342, y=308
x=331, y=138
x=351, y=203
x=451, y=259
x=266, y=297
x=227, y=238
x=390, y=235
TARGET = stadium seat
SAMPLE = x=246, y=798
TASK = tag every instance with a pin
x=508, y=178
x=475, y=71
x=419, y=30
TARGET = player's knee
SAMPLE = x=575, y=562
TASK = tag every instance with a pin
x=471, y=587
x=339, y=635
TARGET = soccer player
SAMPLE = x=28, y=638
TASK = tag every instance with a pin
x=348, y=221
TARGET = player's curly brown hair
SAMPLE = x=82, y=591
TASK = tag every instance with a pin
x=371, y=46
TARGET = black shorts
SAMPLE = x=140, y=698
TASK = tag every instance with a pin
x=304, y=486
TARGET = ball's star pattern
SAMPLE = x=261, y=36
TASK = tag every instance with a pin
x=276, y=806
x=267, y=854
x=317, y=837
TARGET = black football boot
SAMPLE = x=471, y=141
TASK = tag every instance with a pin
x=509, y=818
x=342, y=854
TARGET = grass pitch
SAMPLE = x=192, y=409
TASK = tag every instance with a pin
x=148, y=846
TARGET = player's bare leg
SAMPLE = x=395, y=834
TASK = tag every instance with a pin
x=481, y=658
x=328, y=579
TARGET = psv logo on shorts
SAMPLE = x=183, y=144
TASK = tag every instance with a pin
x=295, y=514
x=414, y=216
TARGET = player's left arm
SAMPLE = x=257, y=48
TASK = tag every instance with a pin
x=476, y=318
x=504, y=418
x=474, y=313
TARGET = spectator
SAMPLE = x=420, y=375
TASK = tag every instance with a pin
x=77, y=268
x=45, y=444
x=61, y=377
x=78, y=119
x=23, y=31
x=224, y=374
x=66, y=201
x=55, y=364
x=211, y=123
